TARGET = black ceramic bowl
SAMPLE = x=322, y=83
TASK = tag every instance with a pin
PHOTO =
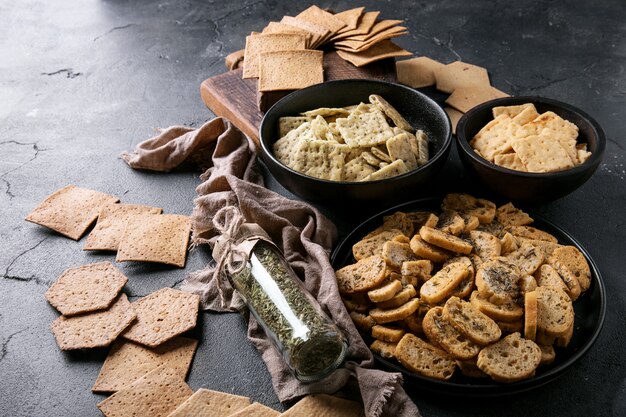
x=418, y=109
x=589, y=310
x=528, y=187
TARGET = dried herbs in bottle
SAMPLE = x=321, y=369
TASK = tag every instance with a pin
x=309, y=341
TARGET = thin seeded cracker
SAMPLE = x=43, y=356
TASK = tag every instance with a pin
x=161, y=238
x=87, y=288
x=162, y=315
x=211, y=403
x=92, y=330
x=107, y=233
x=364, y=128
x=128, y=361
x=70, y=210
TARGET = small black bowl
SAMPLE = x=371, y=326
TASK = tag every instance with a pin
x=525, y=187
x=418, y=109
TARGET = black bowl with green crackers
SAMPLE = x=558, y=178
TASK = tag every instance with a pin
x=421, y=112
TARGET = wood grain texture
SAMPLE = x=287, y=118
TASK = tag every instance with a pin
x=228, y=95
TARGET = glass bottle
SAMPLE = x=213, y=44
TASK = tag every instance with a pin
x=311, y=344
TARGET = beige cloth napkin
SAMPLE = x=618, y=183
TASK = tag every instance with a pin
x=305, y=236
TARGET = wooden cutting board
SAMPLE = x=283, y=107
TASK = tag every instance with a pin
x=230, y=96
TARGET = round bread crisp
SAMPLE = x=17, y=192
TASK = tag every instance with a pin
x=428, y=251
x=465, y=287
x=530, y=315
x=570, y=280
x=423, y=358
x=498, y=281
x=500, y=312
x=443, y=282
x=546, y=276
x=485, y=244
x=511, y=359
x=468, y=320
x=555, y=312
x=373, y=245
x=575, y=261
x=441, y=333
x=527, y=257
x=361, y=276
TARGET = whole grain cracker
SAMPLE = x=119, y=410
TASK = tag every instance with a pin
x=161, y=238
x=364, y=128
x=289, y=123
x=365, y=24
x=112, y=220
x=162, y=315
x=322, y=18
x=260, y=43
x=326, y=112
x=394, y=169
x=128, y=361
x=323, y=405
x=381, y=50
x=417, y=72
x=465, y=98
x=156, y=395
x=209, y=403
x=319, y=159
x=395, y=116
x=460, y=74
x=71, y=210
x=96, y=329
x=356, y=170
x=381, y=154
x=290, y=70
x=86, y=288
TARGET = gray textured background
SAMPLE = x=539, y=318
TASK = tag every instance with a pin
x=82, y=81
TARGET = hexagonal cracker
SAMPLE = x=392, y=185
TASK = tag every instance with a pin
x=162, y=315
x=93, y=329
x=87, y=288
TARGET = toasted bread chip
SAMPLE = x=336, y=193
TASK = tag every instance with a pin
x=498, y=281
x=575, y=261
x=507, y=312
x=382, y=316
x=365, y=275
x=555, y=312
x=509, y=215
x=531, y=233
x=483, y=209
x=423, y=358
x=373, y=245
x=570, y=280
x=395, y=253
x=443, y=282
x=547, y=276
x=497, y=360
x=387, y=334
x=386, y=292
x=470, y=321
x=385, y=349
x=441, y=333
x=530, y=315
x=527, y=258
x=486, y=245
x=445, y=240
x=399, y=299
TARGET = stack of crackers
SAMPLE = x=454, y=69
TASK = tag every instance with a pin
x=136, y=232
x=467, y=84
x=521, y=139
x=474, y=287
x=284, y=57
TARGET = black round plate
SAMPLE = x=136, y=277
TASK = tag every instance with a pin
x=589, y=310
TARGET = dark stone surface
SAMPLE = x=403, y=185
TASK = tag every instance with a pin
x=82, y=81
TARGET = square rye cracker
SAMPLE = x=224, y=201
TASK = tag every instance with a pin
x=70, y=210
x=290, y=70
x=161, y=238
x=259, y=43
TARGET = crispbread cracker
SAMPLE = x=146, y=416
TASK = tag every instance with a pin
x=322, y=405
x=290, y=70
x=71, y=210
x=465, y=98
x=541, y=153
x=266, y=42
x=417, y=72
x=364, y=128
x=454, y=116
x=318, y=33
x=362, y=276
x=128, y=361
x=87, y=288
x=162, y=315
x=460, y=74
x=156, y=395
x=209, y=403
x=365, y=24
x=107, y=233
x=161, y=238
x=380, y=50
x=256, y=410
x=322, y=18
x=350, y=17
x=93, y=329
x=289, y=123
